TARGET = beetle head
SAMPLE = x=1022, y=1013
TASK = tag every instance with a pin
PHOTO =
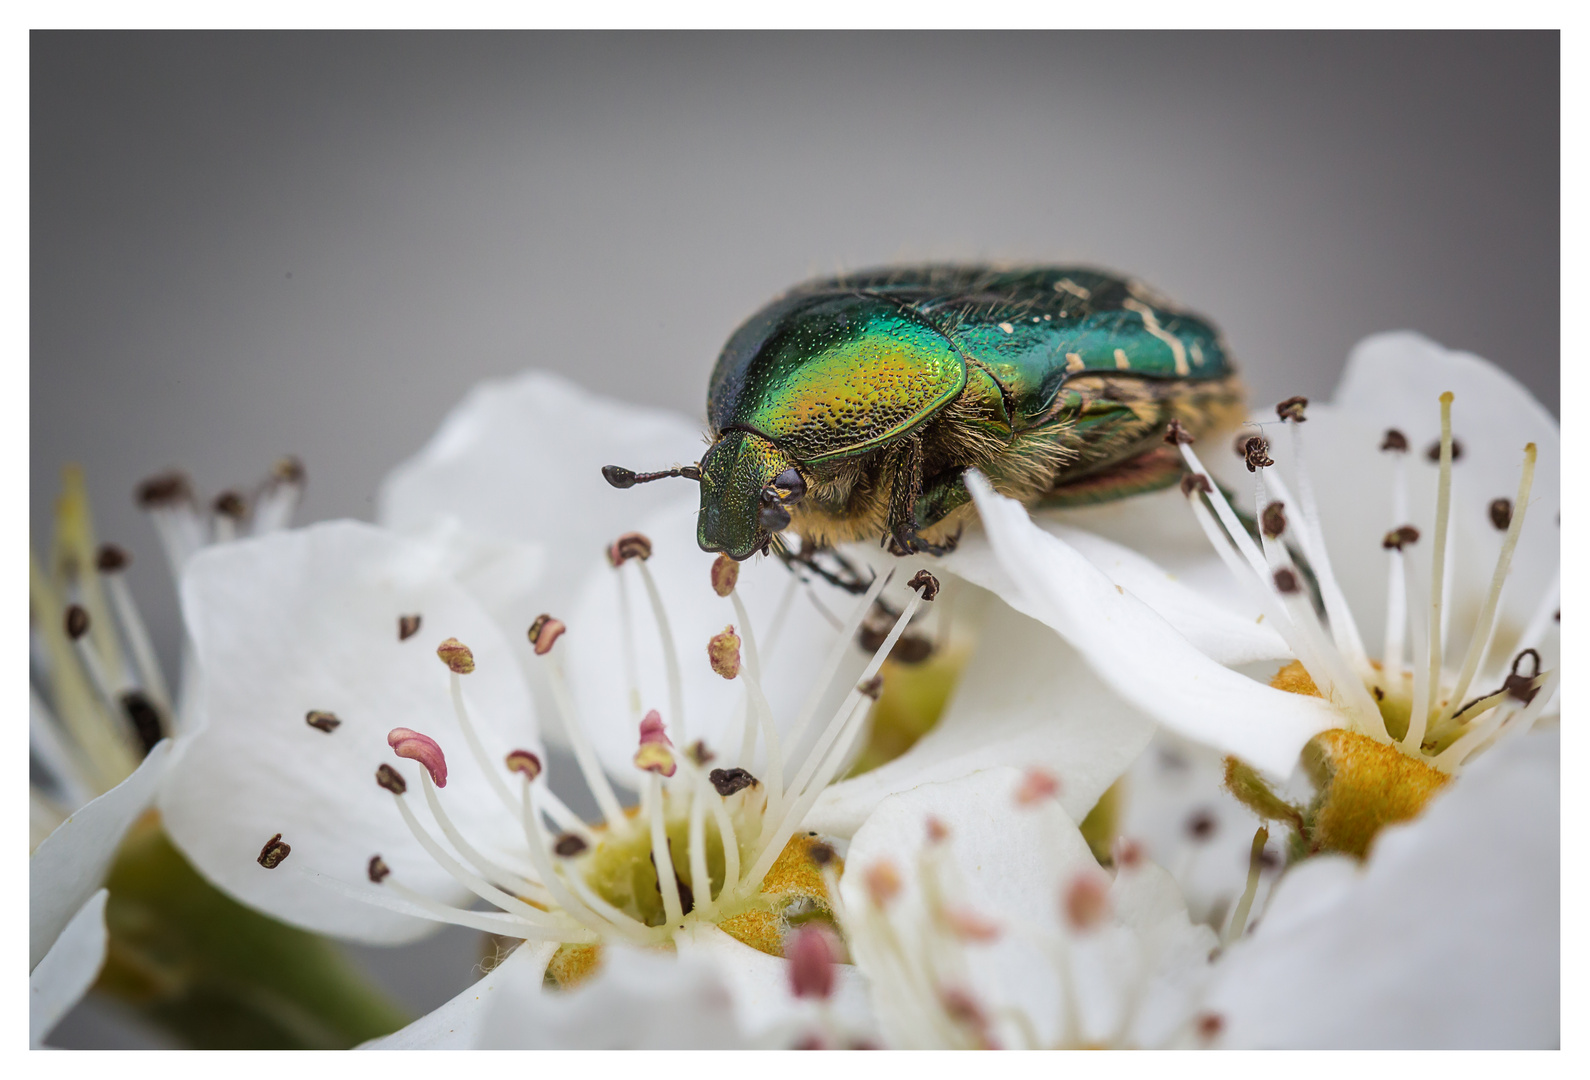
x=747, y=488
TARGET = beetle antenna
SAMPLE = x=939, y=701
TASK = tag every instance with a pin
x=621, y=477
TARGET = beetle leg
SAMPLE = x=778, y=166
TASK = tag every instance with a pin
x=847, y=577
x=904, y=491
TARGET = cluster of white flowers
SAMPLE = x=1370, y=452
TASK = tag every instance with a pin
x=1178, y=794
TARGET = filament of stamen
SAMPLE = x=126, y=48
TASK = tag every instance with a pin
x=1239, y=917
x=773, y=770
x=1443, y=513
x=1419, y=717
x=627, y=624
x=847, y=718
x=1484, y=625
x=462, y=874
x=700, y=880
x=143, y=649
x=1343, y=629
x=1396, y=583
x=1343, y=685
x=667, y=881
x=1228, y=518
x=472, y=740
x=720, y=815
x=541, y=857
x=407, y=901
x=503, y=877
x=835, y=657
x=590, y=768
x=676, y=697
x=56, y=753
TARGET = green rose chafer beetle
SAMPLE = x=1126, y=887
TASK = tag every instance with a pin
x=851, y=407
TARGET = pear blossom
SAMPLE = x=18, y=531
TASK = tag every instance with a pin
x=101, y=715
x=1482, y=616
x=981, y=919
x=431, y=790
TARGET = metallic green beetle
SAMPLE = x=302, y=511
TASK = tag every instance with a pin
x=851, y=407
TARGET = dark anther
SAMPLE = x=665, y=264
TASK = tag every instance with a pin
x=912, y=648
x=408, y=626
x=1269, y=860
x=1394, y=442
x=111, y=559
x=1274, y=519
x=1210, y=1025
x=569, y=845
x=274, y=851
x=321, y=720
x=230, y=504
x=621, y=477
x=1175, y=434
x=164, y=490
x=821, y=854
x=1434, y=452
x=1201, y=825
x=1501, y=513
x=1522, y=687
x=391, y=779
x=727, y=781
x=1292, y=409
x=699, y=753
x=629, y=546
x=872, y=688
x=924, y=583
x=143, y=716
x=1286, y=581
x=288, y=470
x=378, y=869
x=1256, y=453
x=773, y=518
x=1397, y=539
x=1195, y=482
x=1380, y=695
x=76, y=622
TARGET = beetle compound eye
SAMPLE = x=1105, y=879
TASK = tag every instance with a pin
x=789, y=486
x=773, y=518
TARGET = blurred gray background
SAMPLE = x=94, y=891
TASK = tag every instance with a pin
x=245, y=245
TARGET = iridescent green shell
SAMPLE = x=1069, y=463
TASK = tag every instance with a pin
x=843, y=365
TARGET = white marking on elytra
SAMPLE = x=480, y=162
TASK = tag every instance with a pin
x=1065, y=284
x=1007, y=328
x=1151, y=324
x=1197, y=351
x=1121, y=361
x=1073, y=362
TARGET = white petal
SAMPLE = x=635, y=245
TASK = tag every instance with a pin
x=1025, y=699
x=460, y=1023
x=1197, y=613
x=73, y=860
x=1447, y=938
x=306, y=620
x=638, y=999
x=519, y=460
x=1174, y=783
x=1140, y=656
x=764, y=1007
x=595, y=651
x=60, y=980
